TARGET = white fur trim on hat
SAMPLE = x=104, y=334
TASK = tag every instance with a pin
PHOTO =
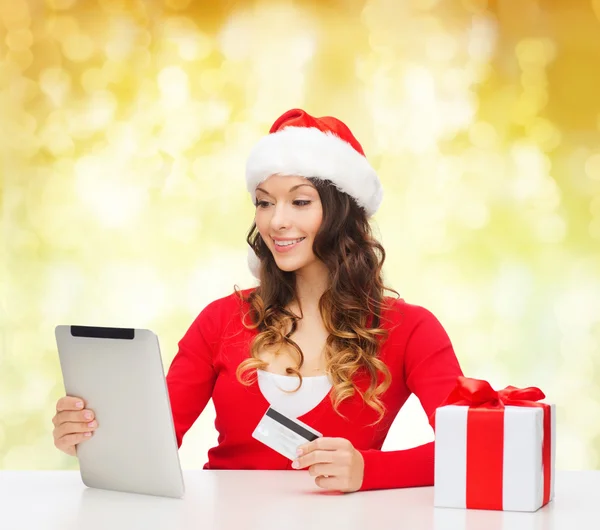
x=309, y=152
x=253, y=262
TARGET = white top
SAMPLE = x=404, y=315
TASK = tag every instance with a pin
x=276, y=390
x=230, y=500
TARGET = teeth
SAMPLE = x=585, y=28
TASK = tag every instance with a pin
x=287, y=243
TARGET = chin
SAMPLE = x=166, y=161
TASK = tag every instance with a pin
x=289, y=267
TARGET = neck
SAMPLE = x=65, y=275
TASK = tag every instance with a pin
x=311, y=283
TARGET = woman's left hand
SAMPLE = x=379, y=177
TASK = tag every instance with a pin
x=335, y=463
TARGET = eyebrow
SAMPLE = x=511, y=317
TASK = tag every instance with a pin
x=290, y=190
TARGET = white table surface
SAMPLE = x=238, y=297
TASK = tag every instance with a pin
x=271, y=500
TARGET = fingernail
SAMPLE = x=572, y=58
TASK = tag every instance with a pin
x=87, y=415
x=92, y=424
x=298, y=451
x=87, y=434
x=295, y=464
x=79, y=404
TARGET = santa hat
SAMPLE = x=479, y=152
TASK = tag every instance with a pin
x=302, y=145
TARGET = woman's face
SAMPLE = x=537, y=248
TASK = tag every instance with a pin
x=288, y=216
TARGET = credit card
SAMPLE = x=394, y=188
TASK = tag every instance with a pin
x=283, y=434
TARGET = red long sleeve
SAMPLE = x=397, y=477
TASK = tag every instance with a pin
x=430, y=372
x=192, y=376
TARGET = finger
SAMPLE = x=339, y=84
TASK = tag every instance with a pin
x=69, y=403
x=325, y=470
x=85, y=416
x=71, y=440
x=329, y=483
x=67, y=428
x=315, y=457
x=324, y=444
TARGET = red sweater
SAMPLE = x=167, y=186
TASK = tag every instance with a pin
x=418, y=353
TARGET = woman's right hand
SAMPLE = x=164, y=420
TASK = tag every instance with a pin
x=73, y=424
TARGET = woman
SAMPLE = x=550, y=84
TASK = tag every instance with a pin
x=317, y=340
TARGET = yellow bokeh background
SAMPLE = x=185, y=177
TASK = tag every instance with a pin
x=124, y=129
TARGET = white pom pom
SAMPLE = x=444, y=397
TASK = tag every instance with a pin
x=253, y=262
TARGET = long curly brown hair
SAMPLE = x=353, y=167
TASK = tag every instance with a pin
x=351, y=307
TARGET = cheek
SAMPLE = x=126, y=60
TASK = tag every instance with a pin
x=316, y=224
x=261, y=225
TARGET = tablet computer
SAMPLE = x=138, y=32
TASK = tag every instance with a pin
x=119, y=374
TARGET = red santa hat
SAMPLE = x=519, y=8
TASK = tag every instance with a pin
x=302, y=145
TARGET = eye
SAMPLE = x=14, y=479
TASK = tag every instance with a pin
x=302, y=203
x=261, y=204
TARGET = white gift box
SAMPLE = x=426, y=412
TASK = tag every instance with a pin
x=492, y=458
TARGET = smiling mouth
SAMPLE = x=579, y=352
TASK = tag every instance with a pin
x=285, y=244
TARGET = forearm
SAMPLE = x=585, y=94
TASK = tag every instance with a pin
x=398, y=469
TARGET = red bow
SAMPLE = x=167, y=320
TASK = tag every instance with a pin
x=479, y=393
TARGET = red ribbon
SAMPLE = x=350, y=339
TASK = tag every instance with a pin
x=485, y=437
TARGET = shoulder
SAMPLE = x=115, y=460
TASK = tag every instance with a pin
x=227, y=304
x=399, y=312
x=221, y=311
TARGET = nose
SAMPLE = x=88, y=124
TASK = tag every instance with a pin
x=281, y=217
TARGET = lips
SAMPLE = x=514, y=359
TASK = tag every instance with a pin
x=288, y=247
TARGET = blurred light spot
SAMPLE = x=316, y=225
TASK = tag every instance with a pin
x=22, y=59
x=594, y=228
x=574, y=449
x=511, y=290
x=530, y=102
x=535, y=52
x=64, y=286
x=419, y=86
x=473, y=214
x=548, y=197
x=441, y=47
x=577, y=306
x=483, y=134
x=545, y=134
x=459, y=113
x=57, y=140
x=15, y=14
x=122, y=38
x=550, y=228
x=100, y=109
x=475, y=6
x=56, y=84
x=595, y=206
x=240, y=38
x=60, y=4
x=592, y=166
x=93, y=79
x=236, y=37
x=534, y=79
x=192, y=44
x=532, y=166
x=59, y=26
x=174, y=86
x=132, y=292
x=482, y=38
x=78, y=47
x=460, y=302
x=124, y=137
x=211, y=274
x=177, y=4
x=19, y=39
x=424, y=4
x=103, y=187
x=184, y=229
